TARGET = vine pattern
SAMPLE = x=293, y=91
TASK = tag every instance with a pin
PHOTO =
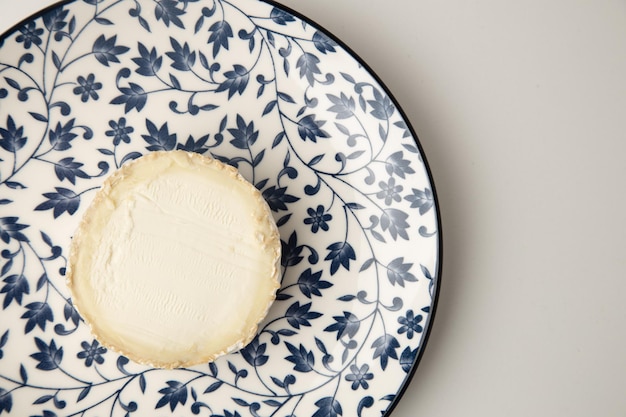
x=323, y=142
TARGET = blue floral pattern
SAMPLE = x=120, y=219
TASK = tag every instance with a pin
x=92, y=84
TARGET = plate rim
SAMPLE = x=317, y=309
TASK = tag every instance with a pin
x=437, y=276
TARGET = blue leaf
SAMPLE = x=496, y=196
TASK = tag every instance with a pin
x=269, y=107
x=49, y=356
x=15, y=287
x=220, y=33
x=62, y=201
x=308, y=65
x=398, y=272
x=281, y=17
x=384, y=348
x=83, y=393
x=323, y=43
x=23, y=374
x=133, y=97
x=299, y=315
x=175, y=393
x=340, y=254
x=106, y=51
x=348, y=324
x=167, y=11
x=303, y=360
x=328, y=407
x=213, y=387
x=159, y=139
x=38, y=314
x=309, y=128
x=236, y=81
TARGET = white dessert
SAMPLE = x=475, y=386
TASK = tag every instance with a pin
x=176, y=261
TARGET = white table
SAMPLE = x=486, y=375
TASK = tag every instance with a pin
x=521, y=109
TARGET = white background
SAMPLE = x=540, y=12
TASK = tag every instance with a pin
x=521, y=109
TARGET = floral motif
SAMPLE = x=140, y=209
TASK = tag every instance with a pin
x=87, y=88
x=30, y=35
x=318, y=219
x=95, y=86
x=92, y=353
x=410, y=324
x=389, y=191
x=359, y=376
x=119, y=131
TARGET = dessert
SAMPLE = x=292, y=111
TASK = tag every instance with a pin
x=176, y=260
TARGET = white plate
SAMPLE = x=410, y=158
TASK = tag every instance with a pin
x=90, y=84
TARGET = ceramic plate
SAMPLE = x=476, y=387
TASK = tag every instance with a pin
x=89, y=85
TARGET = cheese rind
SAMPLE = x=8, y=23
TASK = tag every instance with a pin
x=176, y=261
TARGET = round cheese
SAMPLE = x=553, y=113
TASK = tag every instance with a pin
x=176, y=261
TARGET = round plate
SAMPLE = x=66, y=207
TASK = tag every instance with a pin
x=89, y=85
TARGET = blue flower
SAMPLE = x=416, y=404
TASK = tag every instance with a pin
x=410, y=324
x=359, y=376
x=119, y=131
x=87, y=87
x=318, y=219
x=389, y=191
x=92, y=353
x=30, y=35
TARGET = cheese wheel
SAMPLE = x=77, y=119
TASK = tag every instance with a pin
x=176, y=261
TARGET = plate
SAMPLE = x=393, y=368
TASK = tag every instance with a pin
x=88, y=85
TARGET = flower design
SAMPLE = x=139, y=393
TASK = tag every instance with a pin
x=92, y=353
x=410, y=324
x=359, y=376
x=318, y=219
x=87, y=88
x=272, y=97
x=30, y=34
x=119, y=131
x=389, y=191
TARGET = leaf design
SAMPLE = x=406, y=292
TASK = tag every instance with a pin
x=148, y=62
x=37, y=315
x=299, y=315
x=303, y=359
x=220, y=33
x=49, y=356
x=384, y=348
x=167, y=11
x=70, y=169
x=308, y=65
x=159, y=139
x=328, y=407
x=62, y=201
x=106, y=51
x=398, y=272
x=11, y=138
x=175, y=393
x=348, y=324
x=132, y=97
x=15, y=286
x=340, y=254
x=309, y=128
x=236, y=81
x=310, y=283
x=11, y=229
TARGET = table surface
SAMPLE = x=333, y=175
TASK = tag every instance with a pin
x=521, y=110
